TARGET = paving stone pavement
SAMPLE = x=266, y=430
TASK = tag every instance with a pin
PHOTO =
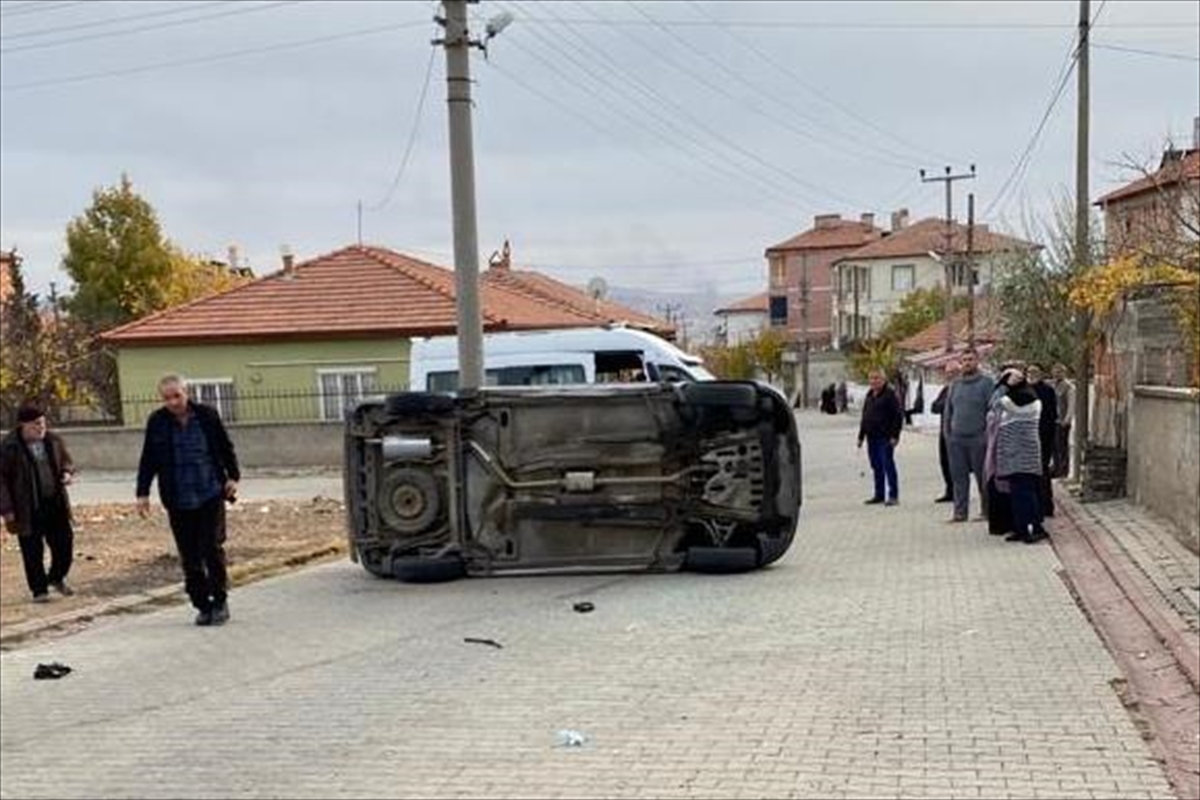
x=888, y=655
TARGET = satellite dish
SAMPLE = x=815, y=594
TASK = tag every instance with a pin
x=597, y=288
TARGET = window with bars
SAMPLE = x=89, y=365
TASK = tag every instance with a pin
x=779, y=310
x=342, y=390
x=217, y=393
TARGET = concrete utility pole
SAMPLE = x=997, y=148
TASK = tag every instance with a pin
x=804, y=344
x=458, y=45
x=971, y=270
x=949, y=180
x=1082, y=242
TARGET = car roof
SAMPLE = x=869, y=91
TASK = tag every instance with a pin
x=574, y=339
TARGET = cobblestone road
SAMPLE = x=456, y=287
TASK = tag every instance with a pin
x=889, y=654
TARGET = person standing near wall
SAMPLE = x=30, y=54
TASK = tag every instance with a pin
x=35, y=471
x=188, y=450
x=1064, y=391
x=1047, y=431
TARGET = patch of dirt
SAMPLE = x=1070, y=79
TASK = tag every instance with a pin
x=117, y=553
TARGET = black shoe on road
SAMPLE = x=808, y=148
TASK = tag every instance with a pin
x=874, y=501
x=204, y=618
x=892, y=501
x=946, y=498
x=220, y=614
x=62, y=588
x=1016, y=537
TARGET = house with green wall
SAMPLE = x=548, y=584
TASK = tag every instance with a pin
x=310, y=340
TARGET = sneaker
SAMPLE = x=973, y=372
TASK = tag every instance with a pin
x=204, y=618
x=874, y=501
x=892, y=501
x=62, y=588
x=220, y=614
x=41, y=598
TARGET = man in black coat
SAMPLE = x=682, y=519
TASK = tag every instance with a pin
x=1047, y=434
x=882, y=421
x=188, y=450
x=35, y=470
x=939, y=408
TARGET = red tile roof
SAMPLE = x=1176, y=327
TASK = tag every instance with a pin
x=987, y=329
x=544, y=289
x=1168, y=174
x=353, y=292
x=6, y=287
x=829, y=235
x=921, y=237
x=757, y=303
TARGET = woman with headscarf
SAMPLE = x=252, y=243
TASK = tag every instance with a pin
x=1018, y=453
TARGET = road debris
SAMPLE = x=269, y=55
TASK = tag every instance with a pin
x=584, y=607
x=51, y=672
x=570, y=738
x=487, y=642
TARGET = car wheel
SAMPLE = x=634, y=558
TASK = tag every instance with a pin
x=374, y=561
x=772, y=548
x=409, y=404
x=721, y=560
x=415, y=569
x=726, y=395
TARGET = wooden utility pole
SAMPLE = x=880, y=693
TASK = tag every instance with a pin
x=947, y=266
x=1082, y=244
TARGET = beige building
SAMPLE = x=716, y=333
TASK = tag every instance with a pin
x=871, y=282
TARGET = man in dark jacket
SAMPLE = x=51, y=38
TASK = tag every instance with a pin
x=35, y=470
x=188, y=450
x=1047, y=433
x=882, y=421
x=939, y=408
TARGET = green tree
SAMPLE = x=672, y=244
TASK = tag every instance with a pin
x=118, y=258
x=766, y=352
x=34, y=364
x=872, y=355
x=918, y=310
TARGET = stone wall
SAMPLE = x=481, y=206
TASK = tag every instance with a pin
x=1164, y=456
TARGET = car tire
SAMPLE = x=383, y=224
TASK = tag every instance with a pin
x=721, y=560
x=772, y=548
x=375, y=562
x=407, y=404
x=415, y=569
x=725, y=395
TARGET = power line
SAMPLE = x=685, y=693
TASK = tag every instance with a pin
x=184, y=62
x=678, y=132
x=1139, y=51
x=850, y=26
x=99, y=23
x=834, y=102
x=25, y=9
x=412, y=136
x=772, y=170
x=1026, y=157
x=236, y=12
x=831, y=144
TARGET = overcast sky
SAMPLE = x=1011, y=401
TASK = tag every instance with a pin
x=660, y=145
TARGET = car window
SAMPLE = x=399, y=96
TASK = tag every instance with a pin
x=532, y=375
x=669, y=373
x=620, y=366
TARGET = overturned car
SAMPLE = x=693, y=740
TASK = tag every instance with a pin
x=701, y=476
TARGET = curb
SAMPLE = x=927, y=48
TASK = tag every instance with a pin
x=1184, y=652
x=239, y=575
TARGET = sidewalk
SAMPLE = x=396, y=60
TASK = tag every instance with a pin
x=92, y=487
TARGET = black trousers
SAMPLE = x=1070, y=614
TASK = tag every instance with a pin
x=944, y=459
x=51, y=528
x=1046, y=482
x=1062, y=451
x=200, y=539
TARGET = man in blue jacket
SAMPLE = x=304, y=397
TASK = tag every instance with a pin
x=188, y=450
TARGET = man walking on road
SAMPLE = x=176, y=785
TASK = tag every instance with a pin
x=966, y=425
x=188, y=450
x=939, y=408
x=35, y=470
x=882, y=421
x=1064, y=390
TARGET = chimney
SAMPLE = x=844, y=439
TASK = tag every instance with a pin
x=868, y=220
x=233, y=258
x=1196, y=133
x=823, y=221
x=289, y=261
x=501, y=260
x=899, y=219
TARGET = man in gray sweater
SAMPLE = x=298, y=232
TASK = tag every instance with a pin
x=966, y=426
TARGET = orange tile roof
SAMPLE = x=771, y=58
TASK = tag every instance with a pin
x=929, y=234
x=987, y=329
x=6, y=287
x=1168, y=174
x=352, y=292
x=759, y=302
x=544, y=289
x=833, y=234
